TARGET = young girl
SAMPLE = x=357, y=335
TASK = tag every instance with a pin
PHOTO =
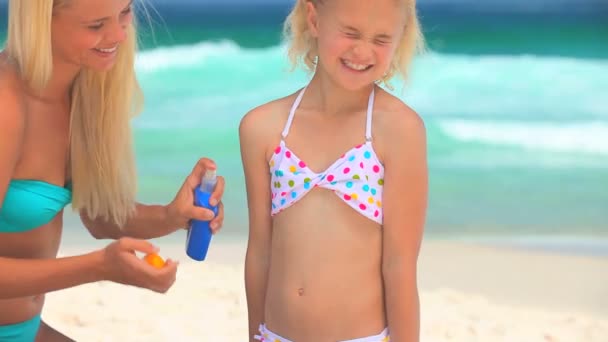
x=336, y=180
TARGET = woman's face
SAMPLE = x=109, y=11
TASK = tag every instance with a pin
x=88, y=33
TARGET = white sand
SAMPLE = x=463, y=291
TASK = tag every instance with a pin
x=468, y=293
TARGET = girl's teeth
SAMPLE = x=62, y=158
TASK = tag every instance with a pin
x=358, y=67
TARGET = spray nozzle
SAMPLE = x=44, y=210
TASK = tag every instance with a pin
x=208, y=181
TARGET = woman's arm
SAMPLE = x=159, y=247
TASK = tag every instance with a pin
x=26, y=277
x=12, y=126
x=117, y=262
x=19, y=277
x=257, y=179
x=405, y=202
x=152, y=221
x=152, y=217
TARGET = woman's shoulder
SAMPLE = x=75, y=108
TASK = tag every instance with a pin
x=12, y=113
x=11, y=89
x=9, y=75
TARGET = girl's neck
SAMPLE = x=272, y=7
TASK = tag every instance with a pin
x=334, y=100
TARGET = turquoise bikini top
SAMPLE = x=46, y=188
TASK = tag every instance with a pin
x=29, y=204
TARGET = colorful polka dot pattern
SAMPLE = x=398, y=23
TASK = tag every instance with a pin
x=357, y=178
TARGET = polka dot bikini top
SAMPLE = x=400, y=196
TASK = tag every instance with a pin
x=357, y=177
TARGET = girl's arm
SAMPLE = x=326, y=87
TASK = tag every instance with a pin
x=257, y=179
x=405, y=202
x=152, y=221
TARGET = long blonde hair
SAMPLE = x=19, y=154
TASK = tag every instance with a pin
x=103, y=104
x=302, y=47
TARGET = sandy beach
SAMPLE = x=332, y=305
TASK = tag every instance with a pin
x=468, y=293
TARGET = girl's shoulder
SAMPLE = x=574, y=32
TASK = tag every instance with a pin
x=272, y=111
x=392, y=110
x=266, y=122
x=395, y=123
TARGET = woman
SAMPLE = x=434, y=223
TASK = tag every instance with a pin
x=67, y=92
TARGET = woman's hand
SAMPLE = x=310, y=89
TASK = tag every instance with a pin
x=120, y=264
x=182, y=209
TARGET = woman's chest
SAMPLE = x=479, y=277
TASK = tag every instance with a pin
x=44, y=151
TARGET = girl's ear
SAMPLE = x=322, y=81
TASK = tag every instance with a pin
x=312, y=19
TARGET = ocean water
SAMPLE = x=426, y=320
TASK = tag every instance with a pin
x=514, y=103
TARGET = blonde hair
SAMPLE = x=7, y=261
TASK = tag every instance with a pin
x=103, y=103
x=302, y=47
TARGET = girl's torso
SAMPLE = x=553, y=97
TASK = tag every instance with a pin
x=325, y=278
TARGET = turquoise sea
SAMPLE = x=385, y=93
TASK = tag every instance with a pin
x=514, y=98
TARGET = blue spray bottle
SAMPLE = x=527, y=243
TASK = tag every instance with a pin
x=199, y=234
